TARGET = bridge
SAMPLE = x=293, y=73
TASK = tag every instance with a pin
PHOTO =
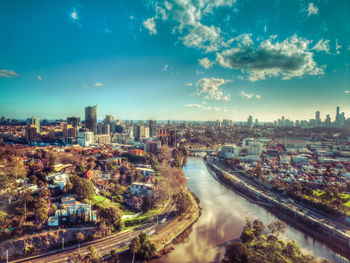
x=202, y=150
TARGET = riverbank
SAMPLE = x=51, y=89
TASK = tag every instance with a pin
x=294, y=218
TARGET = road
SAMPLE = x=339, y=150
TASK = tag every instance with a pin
x=103, y=245
x=275, y=197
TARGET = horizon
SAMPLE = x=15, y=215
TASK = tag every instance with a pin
x=175, y=60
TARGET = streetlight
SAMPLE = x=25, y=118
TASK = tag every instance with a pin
x=62, y=243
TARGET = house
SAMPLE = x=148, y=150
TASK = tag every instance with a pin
x=146, y=171
x=141, y=189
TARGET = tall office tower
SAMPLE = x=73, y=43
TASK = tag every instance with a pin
x=152, y=124
x=91, y=118
x=34, y=121
x=140, y=132
x=256, y=122
x=74, y=121
x=318, y=120
x=109, y=119
x=337, y=116
x=104, y=128
x=250, y=121
x=317, y=115
x=327, y=122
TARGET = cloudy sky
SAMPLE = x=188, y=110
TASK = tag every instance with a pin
x=175, y=59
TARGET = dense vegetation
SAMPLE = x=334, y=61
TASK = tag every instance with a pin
x=259, y=244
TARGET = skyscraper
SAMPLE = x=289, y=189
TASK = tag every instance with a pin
x=91, y=118
x=337, y=116
x=35, y=122
x=317, y=115
x=74, y=121
x=250, y=121
x=152, y=124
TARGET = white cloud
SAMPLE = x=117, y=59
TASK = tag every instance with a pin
x=198, y=72
x=322, y=45
x=246, y=95
x=98, y=85
x=347, y=91
x=204, y=102
x=211, y=88
x=189, y=84
x=258, y=96
x=212, y=108
x=203, y=107
x=289, y=58
x=74, y=14
x=150, y=25
x=312, y=9
x=193, y=105
x=242, y=40
x=8, y=73
x=265, y=28
x=337, y=45
x=165, y=67
x=186, y=19
x=39, y=77
x=206, y=63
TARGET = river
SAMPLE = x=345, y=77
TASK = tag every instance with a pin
x=223, y=217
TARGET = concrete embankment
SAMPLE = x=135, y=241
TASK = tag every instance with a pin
x=334, y=238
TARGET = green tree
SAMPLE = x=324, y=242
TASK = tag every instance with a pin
x=237, y=252
x=114, y=256
x=92, y=256
x=277, y=227
x=111, y=216
x=83, y=188
x=142, y=247
x=182, y=202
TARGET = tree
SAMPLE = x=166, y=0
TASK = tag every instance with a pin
x=277, y=227
x=92, y=256
x=259, y=228
x=236, y=252
x=111, y=216
x=83, y=188
x=142, y=247
x=80, y=237
x=115, y=256
x=182, y=202
x=146, y=203
x=135, y=247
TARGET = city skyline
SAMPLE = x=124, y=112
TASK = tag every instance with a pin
x=175, y=60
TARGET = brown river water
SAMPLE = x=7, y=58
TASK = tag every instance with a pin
x=223, y=217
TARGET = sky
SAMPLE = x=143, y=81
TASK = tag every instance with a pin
x=175, y=59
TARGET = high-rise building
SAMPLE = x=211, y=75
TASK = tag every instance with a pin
x=35, y=122
x=31, y=133
x=74, y=121
x=152, y=124
x=327, y=122
x=317, y=115
x=109, y=119
x=250, y=121
x=104, y=128
x=91, y=118
x=337, y=116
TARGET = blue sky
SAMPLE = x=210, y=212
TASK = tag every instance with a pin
x=175, y=59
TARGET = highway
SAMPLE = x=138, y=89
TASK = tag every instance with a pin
x=276, y=198
x=103, y=245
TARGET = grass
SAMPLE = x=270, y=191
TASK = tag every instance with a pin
x=105, y=202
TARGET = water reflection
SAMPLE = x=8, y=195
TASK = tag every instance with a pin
x=222, y=220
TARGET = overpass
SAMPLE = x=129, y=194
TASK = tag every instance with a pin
x=202, y=150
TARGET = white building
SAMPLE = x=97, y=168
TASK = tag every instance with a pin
x=85, y=138
x=255, y=148
x=141, y=189
x=228, y=151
